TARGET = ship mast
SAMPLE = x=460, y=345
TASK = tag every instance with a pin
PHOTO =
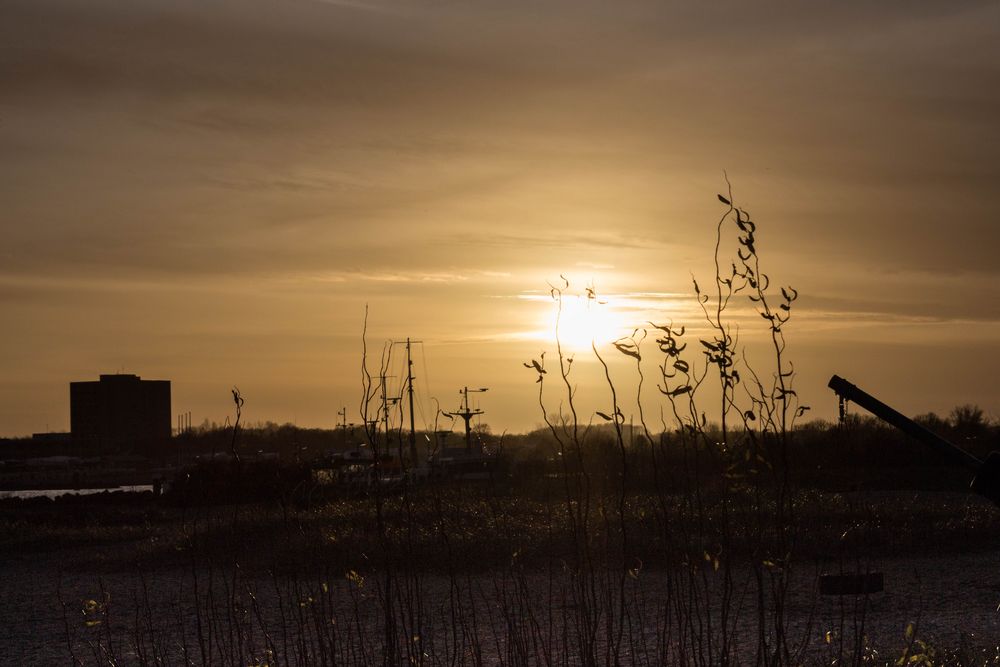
x=409, y=392
x=467, y=414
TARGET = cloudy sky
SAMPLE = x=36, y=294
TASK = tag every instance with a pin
x=211, y=191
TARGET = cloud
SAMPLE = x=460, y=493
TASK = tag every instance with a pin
x=397, y=277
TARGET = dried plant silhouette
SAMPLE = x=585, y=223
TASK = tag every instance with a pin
x=737, y=531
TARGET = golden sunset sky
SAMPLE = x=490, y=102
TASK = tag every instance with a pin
x=211, y=191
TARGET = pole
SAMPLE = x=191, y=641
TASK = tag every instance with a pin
x=468, y=422
x=342, y=424
x=409, y=391
x=385, y=413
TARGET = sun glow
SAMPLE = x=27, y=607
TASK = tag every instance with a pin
x=581, y=321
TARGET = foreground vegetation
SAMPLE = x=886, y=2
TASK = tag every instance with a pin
x=484, y=574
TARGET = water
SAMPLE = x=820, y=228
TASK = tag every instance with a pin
x=55, y=493
x=949, y=599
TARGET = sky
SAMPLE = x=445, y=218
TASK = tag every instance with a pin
x=213, y=191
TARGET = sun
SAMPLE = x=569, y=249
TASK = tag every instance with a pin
x=581, y=321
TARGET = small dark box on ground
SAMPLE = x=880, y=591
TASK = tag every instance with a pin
x=851, y=584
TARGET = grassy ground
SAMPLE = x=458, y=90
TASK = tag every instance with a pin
x=488, y=529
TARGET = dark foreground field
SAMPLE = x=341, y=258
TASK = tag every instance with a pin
x=474, y=576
